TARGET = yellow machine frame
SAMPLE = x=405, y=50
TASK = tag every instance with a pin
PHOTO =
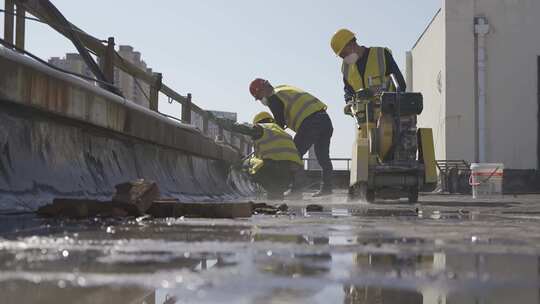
x=373, y=141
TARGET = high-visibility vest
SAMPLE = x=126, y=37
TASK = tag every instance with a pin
x=276, y=144
x=298, y=105
x=374, y=74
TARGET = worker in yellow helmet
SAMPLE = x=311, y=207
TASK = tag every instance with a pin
x=275, y=160
x=364, y=67
x=304, y=114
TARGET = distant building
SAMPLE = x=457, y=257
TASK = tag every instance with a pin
x=126, y=83
x=213, y=129
x=73, y=62
x=225, y=115
x=478, y=67
x=241, y=142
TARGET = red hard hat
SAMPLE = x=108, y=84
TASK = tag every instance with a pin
x=256, y=86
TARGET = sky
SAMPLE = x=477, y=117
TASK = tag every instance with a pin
x=214, y=48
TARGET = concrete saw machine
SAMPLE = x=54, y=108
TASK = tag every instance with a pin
x=392, y=158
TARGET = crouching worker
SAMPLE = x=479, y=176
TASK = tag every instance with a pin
x=275, y=160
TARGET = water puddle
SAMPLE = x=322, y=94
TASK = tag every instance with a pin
x=335, y=256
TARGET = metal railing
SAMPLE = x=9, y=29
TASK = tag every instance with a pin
x=307, y=160
x=45, y=12
x=450, y=174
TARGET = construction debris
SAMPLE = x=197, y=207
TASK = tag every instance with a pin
x=283, y=208
x=137, y=196
x=263, y=208
x=131, y=199
x=314, y=208
x=140, y=199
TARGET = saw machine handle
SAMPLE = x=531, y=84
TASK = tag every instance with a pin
x=397, y=114
x=365, y=96
x=395, y=82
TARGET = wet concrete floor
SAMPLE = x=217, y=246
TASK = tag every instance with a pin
x=446, y=249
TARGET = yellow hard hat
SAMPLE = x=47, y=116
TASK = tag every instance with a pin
x=340, y=40
x=262, y=116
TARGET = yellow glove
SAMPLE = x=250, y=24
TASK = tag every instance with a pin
x=347, y=110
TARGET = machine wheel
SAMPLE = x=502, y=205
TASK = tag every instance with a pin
x=352, y=193
x=413, y=195
x=361, y=192
x=370, y=196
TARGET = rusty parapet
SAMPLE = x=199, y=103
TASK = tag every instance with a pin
x=30, y=83
x=61, y=136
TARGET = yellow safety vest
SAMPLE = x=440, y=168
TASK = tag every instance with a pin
x=375, y=70
x=276, y=144
x=298, y=105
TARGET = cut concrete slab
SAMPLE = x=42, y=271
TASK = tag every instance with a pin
x=163, y=208
x=168, y=208
x=81, y=208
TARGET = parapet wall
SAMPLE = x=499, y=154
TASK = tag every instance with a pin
x=62, y=136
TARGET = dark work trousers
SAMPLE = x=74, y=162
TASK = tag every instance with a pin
x=317, y=130
x=275, y=176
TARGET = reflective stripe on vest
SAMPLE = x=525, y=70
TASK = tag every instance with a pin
x=276, y=144
x=298, y=105
x=374, y=74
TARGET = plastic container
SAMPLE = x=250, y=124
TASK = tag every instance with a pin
x=486, y=180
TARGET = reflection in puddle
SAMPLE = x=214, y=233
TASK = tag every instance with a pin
x=49, y=293
x=406, y=213
x=340, y=212
x=368, y=294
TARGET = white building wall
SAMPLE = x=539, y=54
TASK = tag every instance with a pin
x=460, y=82
x=513, y=47
x=428, y=78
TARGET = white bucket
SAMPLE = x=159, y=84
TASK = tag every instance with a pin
x=486, y=180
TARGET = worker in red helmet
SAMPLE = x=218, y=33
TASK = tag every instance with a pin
x=304, y=114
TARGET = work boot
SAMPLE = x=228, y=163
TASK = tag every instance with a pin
x=322, y=192
x=326, y=185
